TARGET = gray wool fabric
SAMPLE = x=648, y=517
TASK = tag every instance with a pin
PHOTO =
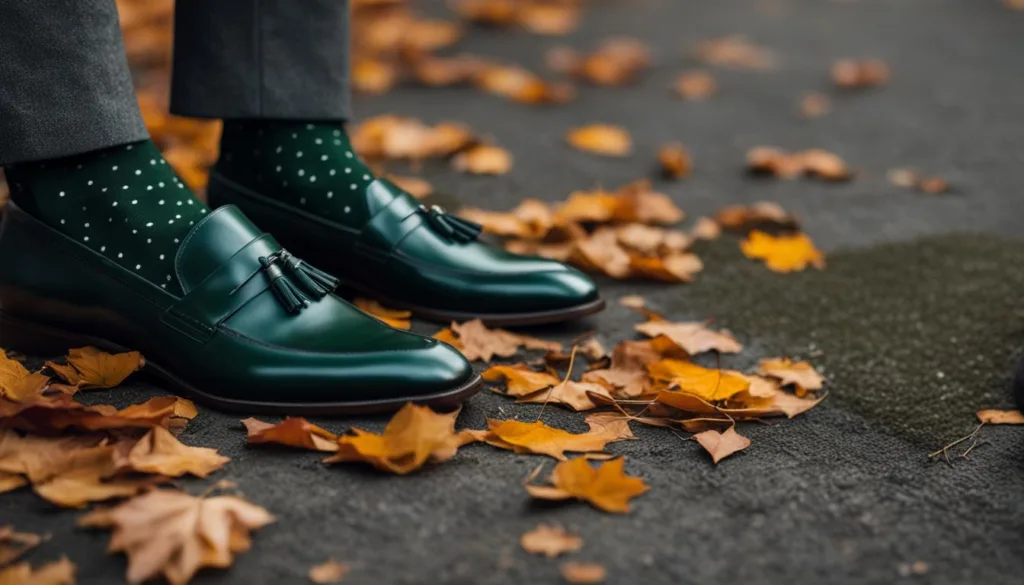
x=65, y=86
x=283, y=59
x=64, y=81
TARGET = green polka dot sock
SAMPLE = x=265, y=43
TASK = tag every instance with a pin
x=124, y=202
x=308, y=165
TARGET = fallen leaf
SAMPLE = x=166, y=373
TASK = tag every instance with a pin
x=549, y=19
x=784, y=253
x=520, y=85
x=633, y=301
x=483, y=160
x=520, y=379
x=735, y=51
x=722, y=445
x=328, y=572
x=550, y=541
x=48, y=414
x=601, y=139
x=293, y=432
x=399, y=319
x=60, y=572
x=477, y=342
x=414, y=436
x=175, y=534
x=575, y=395
x=675, y=161
x=933, y=185
x=12, y=373
x=764, y=214
x=373, y=76
x=814, y=105
x=161, y=453
x=706, y=229
x=532, y=218
x=709, y=384
x=852, y=73
x=692, y=336
x=814, y=162
x=607, y=487
x=89, y=367
x=15, y=544
x=1001, y=417
x=695, y=85
x=583, y=573
x=539, y=438
x=801, y=374
x=616, y=61
x=670, y=268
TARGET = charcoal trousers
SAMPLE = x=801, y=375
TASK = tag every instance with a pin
x=65, y=85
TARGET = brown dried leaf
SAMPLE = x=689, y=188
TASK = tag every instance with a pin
x=696, y=85
x=692, y=336
x=607, y=487
x=602, y=139
x=801, y=374
x=706, y=229
x=176, y=534
x=483, y=160
x=815, y=105
x=1001, y=417
x=418, y=187
x=722, y=445
x=373, y=76
x=161, y=453
x=675, y=161
x=477, y=342
x=674, y=267
x=852, y=73
x=60, y=572
x=328, y=572
x=583, y=573
x=15, y=544
x=531, y=219
x=550, y=541
x=293, y=432
x=735, y=51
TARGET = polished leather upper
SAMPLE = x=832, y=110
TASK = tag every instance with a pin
x=401, y=257
x=229, y=333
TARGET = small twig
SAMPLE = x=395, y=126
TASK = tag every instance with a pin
x=568, y=374
x=975, y=443
x=945, y=450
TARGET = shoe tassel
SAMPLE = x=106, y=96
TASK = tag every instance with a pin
x=453, y=227
x=314, y=283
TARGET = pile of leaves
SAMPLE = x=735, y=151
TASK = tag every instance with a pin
x=72, y=454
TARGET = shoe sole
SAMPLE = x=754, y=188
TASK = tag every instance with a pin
x=35, y=339
x=489, y=319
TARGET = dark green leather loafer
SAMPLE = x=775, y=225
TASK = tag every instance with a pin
x=257, y=330
x=412, y=257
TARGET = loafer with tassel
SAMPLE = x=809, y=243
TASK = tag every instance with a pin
x=408, y=256
x=257, y=329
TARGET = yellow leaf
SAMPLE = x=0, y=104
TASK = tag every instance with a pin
x=89, y=367
x=607, y=487
x=601, y=139
x=786, y=253
x=708, y=384
x=539, y=438
x=414, y=436
x=520, y=380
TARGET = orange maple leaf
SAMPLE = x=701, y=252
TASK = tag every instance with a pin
x=607, y=488
x=414, y=436
x=539, y=438
x=707, y=384
x=292, y=431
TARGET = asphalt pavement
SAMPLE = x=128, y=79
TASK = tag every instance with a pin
x=916, y=321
